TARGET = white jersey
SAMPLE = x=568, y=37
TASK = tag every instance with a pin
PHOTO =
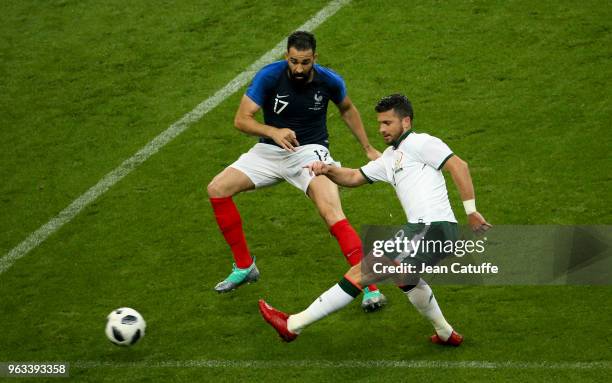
x=413, y=167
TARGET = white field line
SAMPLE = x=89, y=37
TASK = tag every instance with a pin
x=274, y=364
x=66, y=215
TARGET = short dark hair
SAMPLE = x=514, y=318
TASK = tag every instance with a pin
x=302, y=41
x=398, y=102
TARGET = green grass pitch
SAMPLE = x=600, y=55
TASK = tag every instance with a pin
x=519, y=89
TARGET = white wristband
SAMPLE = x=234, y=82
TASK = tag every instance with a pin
x=469, y=206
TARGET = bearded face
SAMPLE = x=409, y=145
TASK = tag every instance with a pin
x=300, y=64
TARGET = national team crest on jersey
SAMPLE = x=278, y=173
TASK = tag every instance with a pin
x=318, y=101
x=397, y=167
x=279, y=103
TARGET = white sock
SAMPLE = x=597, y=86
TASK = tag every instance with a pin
x=423, y=299
x=330, y=301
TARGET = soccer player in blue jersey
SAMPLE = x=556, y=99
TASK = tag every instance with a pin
x=294, y=94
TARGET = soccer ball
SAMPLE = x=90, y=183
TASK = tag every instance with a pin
x=125, y=326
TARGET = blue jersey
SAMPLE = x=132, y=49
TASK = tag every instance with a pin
x=299, y=107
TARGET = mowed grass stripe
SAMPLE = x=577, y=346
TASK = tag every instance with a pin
x=66, y=215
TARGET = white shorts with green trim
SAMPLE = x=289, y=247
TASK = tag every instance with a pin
x=267, y=164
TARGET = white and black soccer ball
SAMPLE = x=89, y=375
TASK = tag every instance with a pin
x=125, y=326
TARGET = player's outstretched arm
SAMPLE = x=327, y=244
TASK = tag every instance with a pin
x=245, y=122
x=352, y=119
x=340, y=176
x=460, y=172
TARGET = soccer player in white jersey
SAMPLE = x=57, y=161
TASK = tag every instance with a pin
x=413, y=165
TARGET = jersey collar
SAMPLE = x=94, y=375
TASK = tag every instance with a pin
x=397, y=142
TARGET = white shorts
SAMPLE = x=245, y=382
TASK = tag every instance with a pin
x=267, y=164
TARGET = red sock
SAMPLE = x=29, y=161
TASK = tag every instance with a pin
x=230, y=224
x=350, y=243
